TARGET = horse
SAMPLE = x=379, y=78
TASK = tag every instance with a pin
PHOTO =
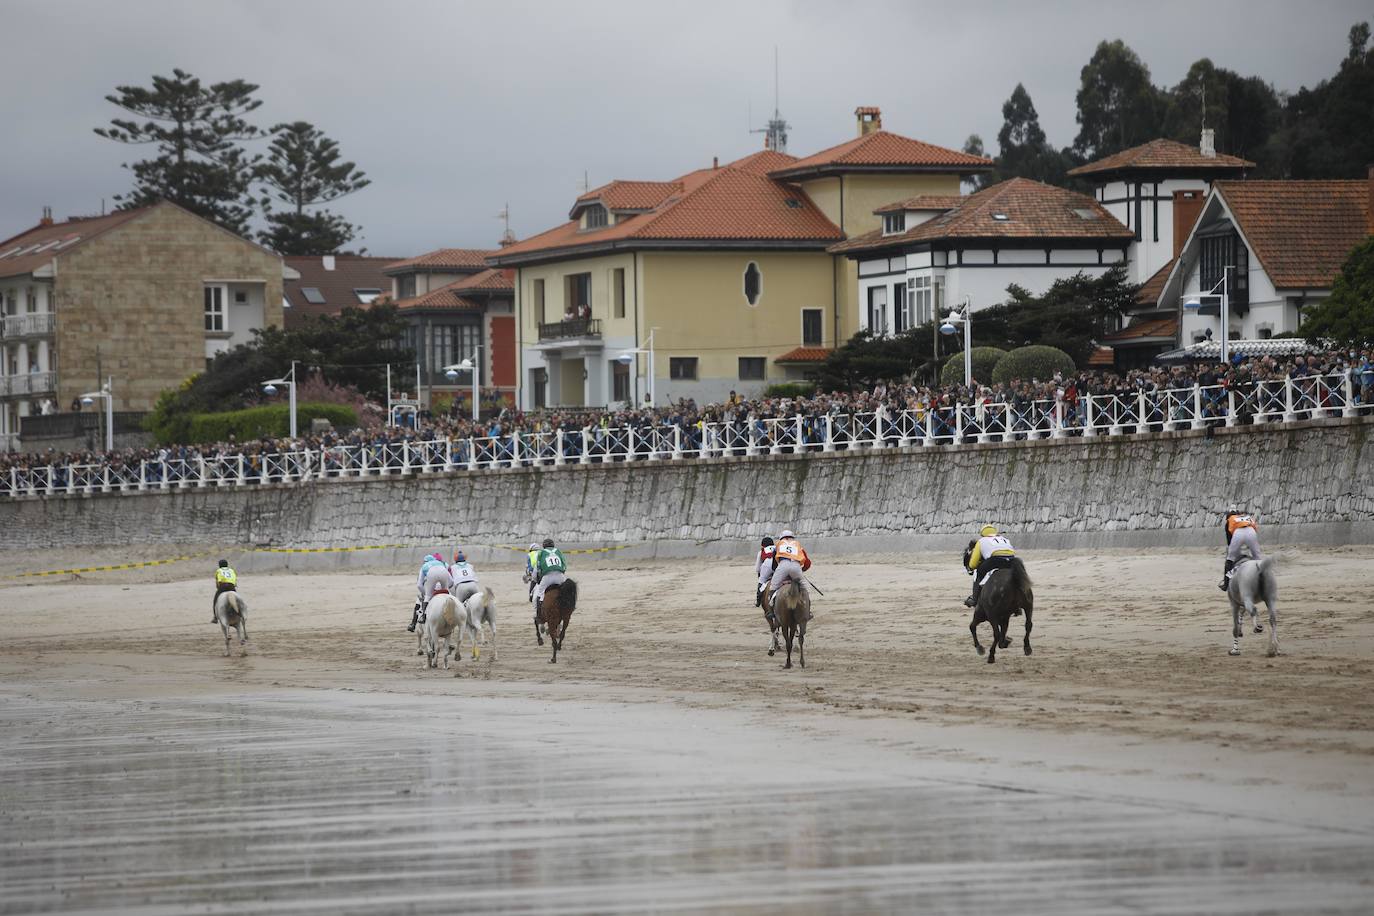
x=443, y=616
x=1006, y=592
x=476, y=609
x=231, y=613
x=792, y=606
x=554, y=611
x=1252, y=581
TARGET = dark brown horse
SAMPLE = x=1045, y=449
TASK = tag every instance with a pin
x=792, y=605
x=1006, y=594
x=554, y=612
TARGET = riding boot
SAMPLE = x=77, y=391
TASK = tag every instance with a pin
x=758, y=596
x=414, y=618
x=1226, y=576
x=214, y=617
x=972, y=600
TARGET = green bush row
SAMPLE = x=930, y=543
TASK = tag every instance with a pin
x=1034, y=362
x=271, y=420
x=984, y=360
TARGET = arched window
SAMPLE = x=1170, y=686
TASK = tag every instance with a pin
x=753, y=283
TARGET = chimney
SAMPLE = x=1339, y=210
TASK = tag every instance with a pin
x=715, y=162
x=328, y=262
x=870, y=118
x=1187, y=206
x=47, y=217
x=1208, y=146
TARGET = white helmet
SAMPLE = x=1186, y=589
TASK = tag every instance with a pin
x=534, y=547
x=1233, y=509
x=786, y=534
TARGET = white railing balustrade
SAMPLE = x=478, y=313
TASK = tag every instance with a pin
x=1262, y=403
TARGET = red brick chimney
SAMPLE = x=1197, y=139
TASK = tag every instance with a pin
x=1187, y=206
x=47, y=217
x=870, y=118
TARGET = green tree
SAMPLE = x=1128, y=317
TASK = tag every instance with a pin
x=196, y=132
x=1024, y=151
x=1245, y=112
x=1073, y=314
x=1328, y=131
x=974, y=145
x=1346, y=317
x=1118, y=106
x=303, y=170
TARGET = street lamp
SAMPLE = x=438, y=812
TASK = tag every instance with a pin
x=962, y=317
x=627, y=356
x=269, y=388
x=1195, y=302
x=105, y=393
x=468, y=365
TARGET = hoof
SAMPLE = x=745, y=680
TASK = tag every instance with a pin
x=1273, y=652
x=771, y=652
x=1235, y=650
x=1004, y=644
x=1259, y=628
x=992, y=659
x=980, y=649
x=787, y=665
x=1028, y=650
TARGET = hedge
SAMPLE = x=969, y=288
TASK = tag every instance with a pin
x=1034, y=362
x=790, y=390
x=985, y=360
x=268, y=420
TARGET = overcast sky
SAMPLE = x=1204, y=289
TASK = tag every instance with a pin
x=455, y=108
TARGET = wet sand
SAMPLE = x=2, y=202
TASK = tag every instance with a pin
x=666, y=763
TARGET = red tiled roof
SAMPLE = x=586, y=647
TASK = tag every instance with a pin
x=351, y=272
x=883, y=150
x=1102, y=357
x=1150, y=327
x=1301, y=231
x=805, y=355
x=491, y=280
x=725, y=204
x=465, y=259
x=1153, y=288
x=763, y=162
x=18, y=255
x=445, y=297
x=1033, y=211
x=630, y=195
x=1165, y=155
x=924, y=202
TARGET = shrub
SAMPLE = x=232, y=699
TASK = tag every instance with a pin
x=1034, y=362
x=790, y=390
x=985, y=359
x=271, y=420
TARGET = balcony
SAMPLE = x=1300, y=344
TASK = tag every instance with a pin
x=570, y=328
x=29, y=383
x=17, y=326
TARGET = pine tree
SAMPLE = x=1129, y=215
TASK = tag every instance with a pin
x=1024, y=151
x=197, y=131
x=303, y=170
x=1118, y=106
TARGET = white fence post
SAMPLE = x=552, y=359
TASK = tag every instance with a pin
x=829, y=445
x=558, y=453
x=929, y=438
x=1197, y=407
x=515, y=449
x=1230, y=407
x=1348, y=410
x=1142, y=420
x=1289, y=414
x=448, y=453
x=586, y=456
x=1057, y=421
x=801, y=438
x=200, y=463
x=753, y=447
x=677, y=442
x=1088, y=428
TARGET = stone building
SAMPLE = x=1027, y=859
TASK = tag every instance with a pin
x=145, y=296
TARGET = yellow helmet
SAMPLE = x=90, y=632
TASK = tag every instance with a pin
x=987, y=531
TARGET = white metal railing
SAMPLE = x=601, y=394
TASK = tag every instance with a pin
x=27, y=325
x=28, y=383
x=1280, y=401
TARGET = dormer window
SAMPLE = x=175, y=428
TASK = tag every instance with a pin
x=894, y=223
x=596, y=217
x=1001, y=217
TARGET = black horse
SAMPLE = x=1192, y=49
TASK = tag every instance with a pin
x=1006, y=593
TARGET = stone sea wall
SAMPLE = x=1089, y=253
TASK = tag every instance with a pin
x=1309, y=483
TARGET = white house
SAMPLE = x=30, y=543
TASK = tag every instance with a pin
x=1280, y=245
x=936, y=252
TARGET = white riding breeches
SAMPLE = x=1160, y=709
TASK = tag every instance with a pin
x=436, y=579
x=787, y=569
x=1241, y=540
x=550, y=579
x=465, y=590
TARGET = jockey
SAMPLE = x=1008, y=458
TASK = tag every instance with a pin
x=464, y=578
x=789, y=562
x=1242, y=532
x=549, y=570
x=531, y=561
x=991, y=552
x=226, y=580
x=433, y=573
x=763, y=568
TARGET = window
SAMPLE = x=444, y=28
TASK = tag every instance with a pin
x=812, y=335
x=30, y=300
x=753, y=283
x=894, y=223
x=1216, y=253
x=901, y=309
x=405, y=286
x=241, y=296
x=618, y=292
x=1265, y=332
x=877, y=310
x=312, y=295
x=683, y=368
x=577, y=302
x=365, y=296
x=620, y=381
x=596, y=217
x=452, y=343
x=214, y=308
x=922, y=299
x=751, y=368
x=538, y=297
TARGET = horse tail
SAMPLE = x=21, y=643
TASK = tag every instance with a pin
x=567, y=596
x=489, y=595
x=235, y=604
x=1019, y=577
x=1268, y=585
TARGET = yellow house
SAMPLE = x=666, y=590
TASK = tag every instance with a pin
x=720, y=278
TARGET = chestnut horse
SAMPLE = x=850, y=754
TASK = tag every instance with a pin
x=792, y=606
x=554, y=611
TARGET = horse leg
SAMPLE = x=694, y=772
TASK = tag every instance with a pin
x=973, y=628
x=493, y=639
x=788, y=631
x=1273, y=626
x=1236, y=614
x=801, y=648
x=224, y=628
x=538, y=612
x=997, y=636
x=1027, y=611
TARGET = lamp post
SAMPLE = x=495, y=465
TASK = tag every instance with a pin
x=627, y=355
x=963, y=317
x=469, y=364
x=105, y=393
x=269, y=387
x=1194, y=303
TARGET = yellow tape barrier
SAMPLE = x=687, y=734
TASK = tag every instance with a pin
x=86, y=569
x=576, y=550
x=327, y=549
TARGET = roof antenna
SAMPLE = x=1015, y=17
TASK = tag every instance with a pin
x=775, y=134
x=584, y=185
x=507, y=237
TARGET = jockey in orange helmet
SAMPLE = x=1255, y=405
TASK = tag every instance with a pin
x=1242, y=534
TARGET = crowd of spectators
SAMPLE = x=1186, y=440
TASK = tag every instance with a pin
x=1241, y=376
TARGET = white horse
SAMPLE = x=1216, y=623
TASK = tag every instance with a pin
x=479, y=608
x=231, y=613
x=1252, y=581
x=443, y=616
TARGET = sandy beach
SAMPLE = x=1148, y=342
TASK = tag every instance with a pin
x=1129, y=764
